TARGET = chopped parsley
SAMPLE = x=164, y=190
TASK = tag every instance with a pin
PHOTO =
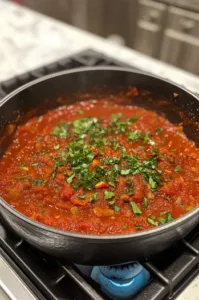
x=164, y=212
x=137, y=226
x=22, y=165
x=158, y=130
x=133, y=119
x=113, y=143
x=152, y=222
x=61, y=130
x=130, y=189
x=83, y=126
x=125, y=172
x=141, y=147
x=162, y=220
x=94, y=197
x=59, y=162
x=155, y=151
x=70, y=178
x=135, y=208
x=111, y=202
x=134, y=135
x=168, y=216
x=82, y=197
x=80, y=111
x=116, y=208
x=116, y=117
x=56, y=147
x=177, y=169
x=35, y=164
x=87, y=134
x=108, y=195
x=144, y=136
x=40, y=182
x=145, y=202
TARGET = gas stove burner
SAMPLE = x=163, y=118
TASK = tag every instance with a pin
x=121, y=272
x=118, y=281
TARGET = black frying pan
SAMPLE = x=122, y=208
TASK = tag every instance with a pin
x=38, y=97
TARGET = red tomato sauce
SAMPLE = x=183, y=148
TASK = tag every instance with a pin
x=98, y=167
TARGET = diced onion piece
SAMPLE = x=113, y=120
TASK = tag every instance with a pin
x=125, y=197
x=57, y=217
x=14, y=192
x=101, y=185
x=150, y=195
x=95, y=163
x=79, y=202
x=103, y=212
x=74, y=210
x=175, y=95
x=189, y=207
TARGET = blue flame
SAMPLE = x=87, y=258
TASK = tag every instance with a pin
x=119, y=282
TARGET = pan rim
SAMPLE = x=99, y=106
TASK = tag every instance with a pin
x=136, y=235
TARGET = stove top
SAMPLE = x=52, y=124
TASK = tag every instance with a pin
x=26, y=273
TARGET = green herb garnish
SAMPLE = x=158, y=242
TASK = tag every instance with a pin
x=108, y=195
x=152, y=222
x=82, y=197
x=141, y=147
x=164, y=212
x=162, y=220
x=94, y=197
x=125, y=172
x=111, y=202
x=39, y=181
x=116, y=117
x=156, y=151
x=116, y=208
x=56, y=147
x=138, y=226
x=136, y=210
x=22, y=165
x=80, y=111
x=169, y=216
x=133, y=119
x=35, y=164
x=177, y=169
x=70, y=178
x=145, y=202
x=61, y=130
x=158, y=130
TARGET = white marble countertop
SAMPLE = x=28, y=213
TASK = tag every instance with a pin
x=29, y=40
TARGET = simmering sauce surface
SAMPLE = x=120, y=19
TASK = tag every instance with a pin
x=97, y=167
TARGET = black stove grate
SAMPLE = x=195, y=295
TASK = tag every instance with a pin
x=52, y=279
